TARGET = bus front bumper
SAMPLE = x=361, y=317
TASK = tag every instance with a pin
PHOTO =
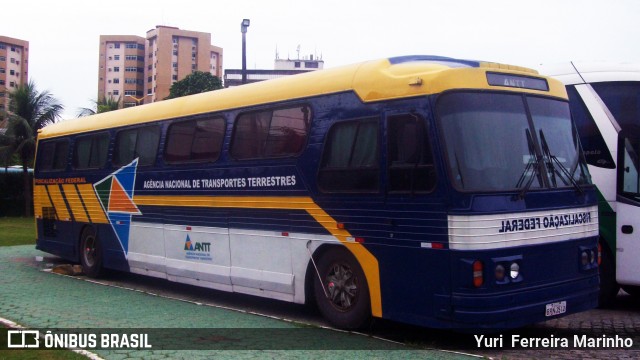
x=512, y=309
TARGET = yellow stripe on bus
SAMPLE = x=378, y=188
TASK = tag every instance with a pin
x=40, y=200
x=58, y=202
x=368, y=262
x=92, y=204
x=73, y=198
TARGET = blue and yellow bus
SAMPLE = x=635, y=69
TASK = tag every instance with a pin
x=427, y=190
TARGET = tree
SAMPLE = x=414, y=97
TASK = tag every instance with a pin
x=195, y=83
x=29, y=111
x=104, y=104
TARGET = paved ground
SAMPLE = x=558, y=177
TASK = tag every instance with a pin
x=37, y=299
x=40, y=300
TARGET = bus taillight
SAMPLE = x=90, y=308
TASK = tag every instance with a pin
x=599, y=253
x=477, y=273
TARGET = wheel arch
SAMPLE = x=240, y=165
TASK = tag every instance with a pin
x=311, y=272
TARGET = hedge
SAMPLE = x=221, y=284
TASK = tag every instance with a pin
x=11, y=192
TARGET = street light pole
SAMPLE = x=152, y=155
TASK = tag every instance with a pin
x=243, y=27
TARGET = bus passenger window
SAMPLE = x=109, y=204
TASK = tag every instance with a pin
x=270, y=134
x=409, y=155
x=287, y=132
x=194, y=140
x=140, y=143
x=53, y=155
x=350, y=158
x=90, y=152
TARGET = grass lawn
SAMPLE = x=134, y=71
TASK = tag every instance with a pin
x=17, y=231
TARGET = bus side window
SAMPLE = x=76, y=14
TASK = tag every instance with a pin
x=622, y=99
x=287, y=132
x=53, y=155
x=141, y=143
x=270, y=134
x=409, y=155
x=194, y=140
x=350, y=158
x=90, y=152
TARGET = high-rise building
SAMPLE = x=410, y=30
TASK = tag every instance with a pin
x=14, y=65
x=146, y=68
x=172, y=54
x=122, y=72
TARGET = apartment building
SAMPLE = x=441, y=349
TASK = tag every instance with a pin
x=147, y=67
x=172, y=54
x=14, y=66
x=122, y=62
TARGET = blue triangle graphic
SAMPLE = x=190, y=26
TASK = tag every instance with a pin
x=121, y=223
x=126, y=175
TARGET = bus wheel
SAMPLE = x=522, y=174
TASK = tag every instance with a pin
x=608, y=285
x=90, y=253
x=341, y=290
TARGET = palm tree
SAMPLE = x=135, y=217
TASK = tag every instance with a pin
x=29, y=111
x=101, y=105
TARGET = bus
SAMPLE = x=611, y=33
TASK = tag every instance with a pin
x=427, y=190
x=605, y=104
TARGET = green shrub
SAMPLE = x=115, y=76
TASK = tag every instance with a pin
x=12, y=192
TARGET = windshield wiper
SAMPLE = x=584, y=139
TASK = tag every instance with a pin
x=553, y=169
x=533, y=160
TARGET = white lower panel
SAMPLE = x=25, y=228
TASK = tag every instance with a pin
x=151, y=265
x=198, y=271
x=147, y=272
x=263, y=280
x=265, y=293
x=263, y=263
x=261, y=260
x=198, y=282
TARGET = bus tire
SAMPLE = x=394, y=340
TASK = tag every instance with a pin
x=346, y=304
x=90, y=253
x=608, y=286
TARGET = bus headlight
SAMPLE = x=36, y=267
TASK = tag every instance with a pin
x=515, y=270
x=584, y=258
x=500, y=272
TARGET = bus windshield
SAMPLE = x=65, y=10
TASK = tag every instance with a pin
x=502, y=142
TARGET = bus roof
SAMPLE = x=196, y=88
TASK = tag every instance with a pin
x=375, y=80
x=572, y=72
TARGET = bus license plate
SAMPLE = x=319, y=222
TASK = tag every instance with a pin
x=556, y=308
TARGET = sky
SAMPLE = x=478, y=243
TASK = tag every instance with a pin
x=64, y=35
